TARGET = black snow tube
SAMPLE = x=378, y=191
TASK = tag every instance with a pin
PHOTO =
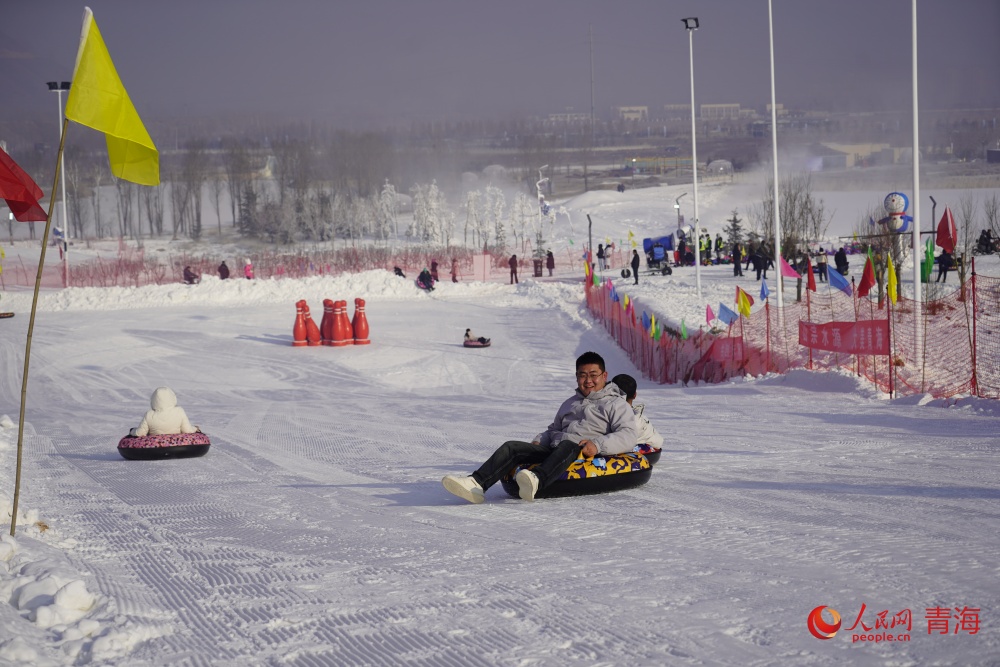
x=585, y=476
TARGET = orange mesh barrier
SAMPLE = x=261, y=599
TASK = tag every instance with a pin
x=951, y=353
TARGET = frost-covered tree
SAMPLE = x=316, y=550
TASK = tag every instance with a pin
x=472, y=217
x=387, y=213
x=492, y=218
x=523, y=215
x=363, y=216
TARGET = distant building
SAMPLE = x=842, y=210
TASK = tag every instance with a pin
x=634, y=113
x=569, y=118
x=993, y=155
x=677, y=112
x=719, y=112
x=779, y=110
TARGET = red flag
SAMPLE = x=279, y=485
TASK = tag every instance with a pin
x=810, y=278
x=946, y=233
x=20, y=192
x=709, y=315
x=867, y=278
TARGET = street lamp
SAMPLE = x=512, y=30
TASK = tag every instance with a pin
x=677, y=205
x=58, y=87
x=691, y=24
x=633, y=173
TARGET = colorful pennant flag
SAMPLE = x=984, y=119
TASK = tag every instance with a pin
x=20, y=191
x=743, y=302
x=98, y=100
x=727, y=315
x=838, y=281
x=709, y=315
x=867, y=278
x=764, y=292
x=787, y=271
x=891, y=278
x=684, y=330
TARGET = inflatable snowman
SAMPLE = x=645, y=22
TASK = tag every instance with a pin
x=897, y=221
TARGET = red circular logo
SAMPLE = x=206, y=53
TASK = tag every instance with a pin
x=819, y=628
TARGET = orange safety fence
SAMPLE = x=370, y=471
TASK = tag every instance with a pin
x=955, y=350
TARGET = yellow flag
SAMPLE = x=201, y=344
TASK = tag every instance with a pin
x=889, y=269
x=743, y=302
x=98, y=100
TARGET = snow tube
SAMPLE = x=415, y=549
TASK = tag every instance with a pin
x=421, y=285
x=149, y=447
x=584, y=476
x=652, y=455
x=476, y=343
x=6, y=315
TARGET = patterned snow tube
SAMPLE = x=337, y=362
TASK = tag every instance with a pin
x=476, y=343
x=151, y=447
x=584, y=476
x=652, y=455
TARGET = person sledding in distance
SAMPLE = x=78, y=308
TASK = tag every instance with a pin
x=472, y=339
x=425, y=281
x=595, y=420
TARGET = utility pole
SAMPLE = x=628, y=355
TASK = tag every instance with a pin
x=586, y=187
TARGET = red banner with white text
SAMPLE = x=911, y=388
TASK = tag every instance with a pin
x=861, y=337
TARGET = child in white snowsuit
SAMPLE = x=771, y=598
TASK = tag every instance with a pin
x=165, y=417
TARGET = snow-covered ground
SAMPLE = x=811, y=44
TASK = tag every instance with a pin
x=316, y=531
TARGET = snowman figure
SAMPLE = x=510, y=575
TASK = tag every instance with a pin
x=895, y=205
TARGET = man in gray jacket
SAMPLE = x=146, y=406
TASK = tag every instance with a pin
x=595, y=420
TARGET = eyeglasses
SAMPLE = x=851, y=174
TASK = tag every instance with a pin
x=593, y=377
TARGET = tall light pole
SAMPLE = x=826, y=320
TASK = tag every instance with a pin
x=774, y=160
x=541, y=210
x=58, y=87
x=691, y=24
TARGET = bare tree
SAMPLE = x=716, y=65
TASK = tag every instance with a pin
x=195, y=166
x=236, y=161
x=125, y=194
x=216, y=185
x=991, y=210
x=152, y=197
x=803, y=216
x=968, y=234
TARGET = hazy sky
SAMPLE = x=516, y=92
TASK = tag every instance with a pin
x=352, y=62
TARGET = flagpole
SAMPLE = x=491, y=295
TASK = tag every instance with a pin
x=809, y=318
x=774, y=160
x=31, y=327
x=917, y=296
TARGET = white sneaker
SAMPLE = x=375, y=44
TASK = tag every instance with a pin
x=464, y=487
x=527, y=484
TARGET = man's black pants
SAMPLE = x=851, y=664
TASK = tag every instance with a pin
x=514, y=452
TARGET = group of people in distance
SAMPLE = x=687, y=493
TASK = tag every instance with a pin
x=192, y=278
x=599, y=419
